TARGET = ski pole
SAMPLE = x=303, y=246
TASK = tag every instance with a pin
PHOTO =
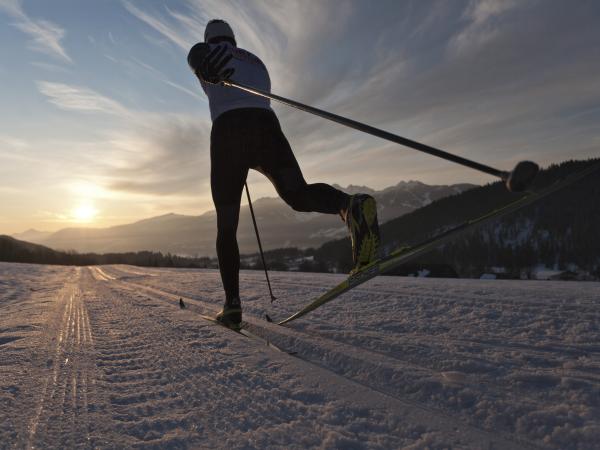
x=262, y=255
x=516, y=180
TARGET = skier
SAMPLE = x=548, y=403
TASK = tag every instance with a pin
x=246, y=135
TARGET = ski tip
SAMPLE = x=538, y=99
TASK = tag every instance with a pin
x=522, y=176
x=268, y=318
x=181, y=304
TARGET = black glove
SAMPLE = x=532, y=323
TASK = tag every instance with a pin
x=212, y=67
x=196, y=55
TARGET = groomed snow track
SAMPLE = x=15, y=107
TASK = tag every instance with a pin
x=103, y=357
x=343, y=365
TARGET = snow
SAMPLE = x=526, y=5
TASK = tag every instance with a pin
x=103, y=357
x=423, y=273
x=541, y=272
x=488, y=276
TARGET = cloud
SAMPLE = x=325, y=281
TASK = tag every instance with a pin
x=482, y=11
x=45, y=36
x=287, y=36
x=163, y=78
x=50, y=67
x=157, y=24
x=135, y=64
x=78, y=98
x=520, y=69
x=148, y=153
x=162, y=156
x=485, y=23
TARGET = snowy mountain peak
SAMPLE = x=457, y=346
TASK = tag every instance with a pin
x=355, y=189
x=410, y=183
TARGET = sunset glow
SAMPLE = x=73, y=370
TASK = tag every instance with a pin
x=84, y=213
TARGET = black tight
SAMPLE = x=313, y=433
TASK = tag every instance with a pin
x=251, y=138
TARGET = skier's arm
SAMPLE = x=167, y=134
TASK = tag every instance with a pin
x=196, y=55
x=209, y=66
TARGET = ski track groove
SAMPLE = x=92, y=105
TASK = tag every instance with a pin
x=133, y=359
x=349, y=355
x=407, y=292
x=144, y=398
x=65, y=395
x=470, y=345
x=521, y=362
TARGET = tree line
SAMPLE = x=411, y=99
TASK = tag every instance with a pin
x=13, y=250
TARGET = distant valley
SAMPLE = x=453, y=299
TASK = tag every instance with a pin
x=279, y=225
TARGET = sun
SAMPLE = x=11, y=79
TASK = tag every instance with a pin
x=85, y=212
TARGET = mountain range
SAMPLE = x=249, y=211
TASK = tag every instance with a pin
x=559, y=232
x=280, y=226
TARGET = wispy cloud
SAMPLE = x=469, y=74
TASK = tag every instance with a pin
x=161, y=155
x=157, y=24
x=81, y=99
x=481, y=11
x=165, y=79
x=265, y=27
x=149, y=153
x=45, y=36
x=484, y=23
x=50, y=67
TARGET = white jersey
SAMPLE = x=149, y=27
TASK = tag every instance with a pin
x=249, y=70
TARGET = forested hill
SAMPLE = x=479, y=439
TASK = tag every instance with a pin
x=14, y=250
x=561, y=231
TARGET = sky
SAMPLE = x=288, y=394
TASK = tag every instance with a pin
x=103, y=123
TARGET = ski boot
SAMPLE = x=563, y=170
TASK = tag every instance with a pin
x=361, y=220
x=231, y=314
